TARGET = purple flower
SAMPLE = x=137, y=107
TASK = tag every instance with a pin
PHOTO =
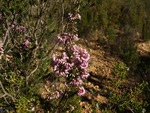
x=75, y=49
x=9, y=23
x=21, y=29
x=72, y=108
x=79, y=81
x=27, y=43
x=65, y=38
x=55, y=68
x=72, y=17
x=81, y=91
x=54, y=58
x=74, y=36
x=13, y=27
x=60, y=91
x=76, y=82
x=85, y=75
x=57, y=94
x=85, y=57
x=63, y=74
x=61, y=40
x=84, y=65
x=77, y=60
x=54, y=95
x=64, y=57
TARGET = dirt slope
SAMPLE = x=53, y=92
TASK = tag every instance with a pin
x=100, y=67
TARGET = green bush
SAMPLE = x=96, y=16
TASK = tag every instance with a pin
x=124, y=99
x=129, y=55
x=28, y=30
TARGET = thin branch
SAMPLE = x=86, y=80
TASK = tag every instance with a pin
x=49, y=52
x=37, y=65
x=8, y=30
x=130, y=109
x=6, y=100
x=1, y=96
x=6, y=93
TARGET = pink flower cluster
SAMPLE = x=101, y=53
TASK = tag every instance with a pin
x=76, y=82
x=73, y=63
x=81, y=91
x=66, y=65
x=19, y=29
x=72, y=17
x=55, y=95
x=81, y=58
x=72, y=108
x=60, y=64
x=66, y=37
x=26, y=43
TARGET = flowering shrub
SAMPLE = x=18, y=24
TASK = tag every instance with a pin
x=73, y=63
x=26, y=44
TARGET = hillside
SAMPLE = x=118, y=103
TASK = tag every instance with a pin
x=75, y=56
